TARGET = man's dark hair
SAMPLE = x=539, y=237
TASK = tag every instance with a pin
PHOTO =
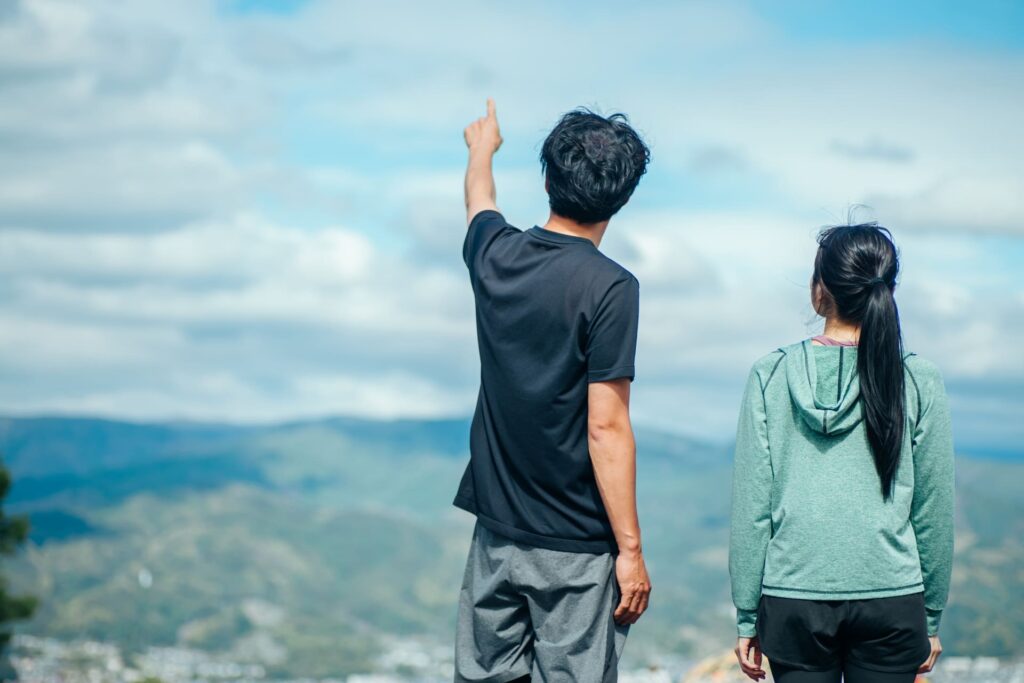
x=592, y=164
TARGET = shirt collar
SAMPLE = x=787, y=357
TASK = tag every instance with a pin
x=560, y=237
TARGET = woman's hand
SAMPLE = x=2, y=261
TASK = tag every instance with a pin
x=929, y=663
x=748, y=652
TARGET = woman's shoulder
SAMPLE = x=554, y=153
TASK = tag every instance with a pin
x=766, y=367
x=770, y=361
x=924, y=383
x=921, y=370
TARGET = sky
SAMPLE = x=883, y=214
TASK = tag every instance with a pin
x=251, y=211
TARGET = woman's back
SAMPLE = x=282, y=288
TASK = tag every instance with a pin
x=842, y=525
x=805, y=452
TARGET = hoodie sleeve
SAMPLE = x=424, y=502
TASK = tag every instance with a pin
x=932, y=508
x=751, y=506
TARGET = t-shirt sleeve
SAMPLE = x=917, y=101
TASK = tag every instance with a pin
x=483, y=229
x=611, y=342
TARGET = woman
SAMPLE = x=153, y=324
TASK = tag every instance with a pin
x=842, y=517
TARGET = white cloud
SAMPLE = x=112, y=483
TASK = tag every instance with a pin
x=221, y=395
x=240, y=320
x=120, y=187
x=245, y=249
x=243, y=271
x=976, y=202
x=260, y=217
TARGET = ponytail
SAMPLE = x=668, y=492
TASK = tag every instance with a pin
x=880, y=370
x=857, y=266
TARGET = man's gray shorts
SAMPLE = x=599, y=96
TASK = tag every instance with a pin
x=528, y=611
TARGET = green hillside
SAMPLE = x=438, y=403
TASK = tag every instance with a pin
x=307, y=545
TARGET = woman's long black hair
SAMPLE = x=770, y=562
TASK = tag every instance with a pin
x=857, y=266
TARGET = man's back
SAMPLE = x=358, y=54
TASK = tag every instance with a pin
x=553, y=314
x=555, y=573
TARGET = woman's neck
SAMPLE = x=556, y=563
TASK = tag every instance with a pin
x=841, y=331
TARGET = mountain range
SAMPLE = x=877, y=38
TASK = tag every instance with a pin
x=309, y=545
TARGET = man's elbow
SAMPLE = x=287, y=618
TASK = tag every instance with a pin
x=602, y=429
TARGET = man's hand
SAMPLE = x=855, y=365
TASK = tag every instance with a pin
x=635, y=586
x=483, y=134
x=929, y=663
x=483, y=139
x=748, y=653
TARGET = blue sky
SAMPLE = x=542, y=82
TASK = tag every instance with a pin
x=250, y=210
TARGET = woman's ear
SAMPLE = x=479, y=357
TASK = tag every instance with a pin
x=819, y=298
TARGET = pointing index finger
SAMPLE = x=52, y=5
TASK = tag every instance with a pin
x=490, y=108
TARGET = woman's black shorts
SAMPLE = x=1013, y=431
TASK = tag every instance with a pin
x=881, y=634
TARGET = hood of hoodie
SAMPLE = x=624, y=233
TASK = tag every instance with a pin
x=823, y=386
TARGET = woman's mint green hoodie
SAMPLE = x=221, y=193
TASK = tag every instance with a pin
x=808, y=518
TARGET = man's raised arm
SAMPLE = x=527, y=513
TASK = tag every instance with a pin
x=483, y=139
x=613, y=454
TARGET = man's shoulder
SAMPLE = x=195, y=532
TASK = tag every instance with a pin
x=490, y=218
x=607, y=283
x=484, y=229
x=608, y=270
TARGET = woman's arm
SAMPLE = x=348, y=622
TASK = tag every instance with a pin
x=932, y=508
x=751, y=507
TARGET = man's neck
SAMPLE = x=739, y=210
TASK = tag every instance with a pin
x=591, y=231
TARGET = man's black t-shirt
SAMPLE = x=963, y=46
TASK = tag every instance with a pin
x=553, y=314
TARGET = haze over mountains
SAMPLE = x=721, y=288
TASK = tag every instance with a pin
x=309, y=545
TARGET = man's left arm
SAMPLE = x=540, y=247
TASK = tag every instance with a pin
x=611, y=349
x=483, y=138
x=613, y=454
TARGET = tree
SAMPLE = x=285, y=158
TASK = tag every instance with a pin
x=13, y=532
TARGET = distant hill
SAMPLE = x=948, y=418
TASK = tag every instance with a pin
x=309, y=543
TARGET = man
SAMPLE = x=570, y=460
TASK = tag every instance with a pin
x=555, y=573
